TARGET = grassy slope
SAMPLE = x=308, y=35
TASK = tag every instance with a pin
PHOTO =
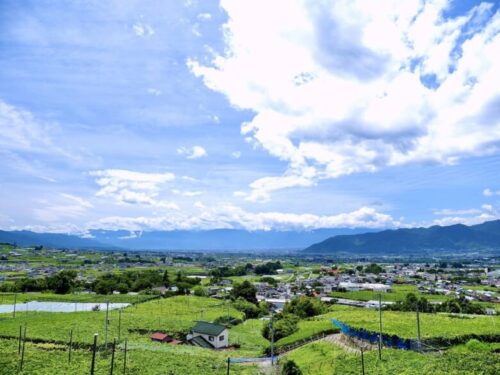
x=323, y=358
x=46, y=359
x=403, y=324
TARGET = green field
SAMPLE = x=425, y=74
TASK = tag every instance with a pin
x=307, y=329
x=398, y=293
x=403, y=324
x=173, y=315
x=8, y=298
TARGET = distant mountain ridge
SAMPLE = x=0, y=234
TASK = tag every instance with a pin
x=457, y=237
x=218, y=239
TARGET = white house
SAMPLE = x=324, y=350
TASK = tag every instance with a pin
x=209, y=335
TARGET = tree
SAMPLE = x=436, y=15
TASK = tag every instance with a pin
x=283, y=326
x=245, y=290
x=304, y=307
x=290, y=368
x=200, y=291
x=165, y=279
x=250, y=309
x=62, y=282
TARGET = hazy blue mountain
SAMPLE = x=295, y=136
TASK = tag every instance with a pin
x=56, y=240
x=219, y=239
x=457, y=237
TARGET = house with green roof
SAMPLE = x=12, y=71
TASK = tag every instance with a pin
x=209, y=335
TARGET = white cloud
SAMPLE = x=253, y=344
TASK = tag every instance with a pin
x=490, y=193
x=130, y=187
x=142, y=29
x=65, y=206
x=448, y=212
x=236, y=154
x=204, y=16
x=229, y=216
x=153, y=91
x=194, y=152
x=355, y=86
x=472, y=216
x=186, y=193
x=21, y=131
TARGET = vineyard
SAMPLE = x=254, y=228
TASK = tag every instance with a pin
x=48, y=335
x=322, y=358
x=403, y=324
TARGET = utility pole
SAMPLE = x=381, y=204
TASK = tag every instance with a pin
x=380, y=326
x=107, y=323
x=419, y=342
x=228, y=362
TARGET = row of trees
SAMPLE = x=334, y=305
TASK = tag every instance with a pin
x=455, y=305
x=61, y=283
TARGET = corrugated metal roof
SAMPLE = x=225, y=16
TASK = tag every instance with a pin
x=207, y=328
x=200, y=341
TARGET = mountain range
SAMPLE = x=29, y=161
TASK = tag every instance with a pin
x=338, y=241
x=218, y=239
x=453, y=238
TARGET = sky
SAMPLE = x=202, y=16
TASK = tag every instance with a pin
x=169, y=114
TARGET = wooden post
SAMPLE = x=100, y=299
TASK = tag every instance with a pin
x=107, y=322
x=70, y=345
x=380, y=326
x=272, y=338
x=419, y=340
x=15, y=302
x=119, y=324
x=362, y=362
x=20, y=339
x=22, y=351
x=94, y=348
x=112, y=357
x=125, y=358
x=228, y=362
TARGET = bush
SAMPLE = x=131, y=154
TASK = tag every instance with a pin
x=284, y=326
x=305, y=307
x=289, y=367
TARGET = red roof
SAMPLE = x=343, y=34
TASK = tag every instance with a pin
x=158, y=336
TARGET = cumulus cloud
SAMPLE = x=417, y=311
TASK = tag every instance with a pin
x=130, y=187
x=194, y=152
x=232, y=217
x=342, y=87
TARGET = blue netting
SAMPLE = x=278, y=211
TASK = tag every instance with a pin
x=360, y=333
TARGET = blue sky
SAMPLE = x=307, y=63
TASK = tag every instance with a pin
x=149, y=115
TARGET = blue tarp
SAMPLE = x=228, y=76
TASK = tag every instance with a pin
x=390, y=341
